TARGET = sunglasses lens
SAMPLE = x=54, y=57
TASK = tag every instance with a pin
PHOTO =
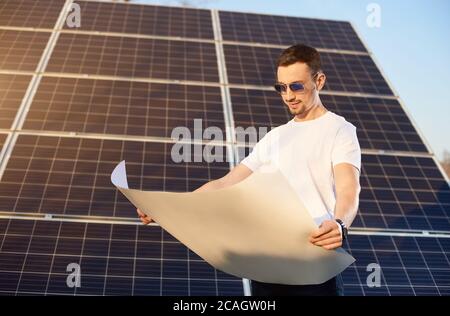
x=297, y=87
x=280, y=88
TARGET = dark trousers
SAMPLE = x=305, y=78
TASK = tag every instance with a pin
x=333, y=287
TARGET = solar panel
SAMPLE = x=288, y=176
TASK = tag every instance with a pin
x=403, y=193
x=63, y=175
x=2, y=140
x=113, y=260
x=345, y=72
x=284, y=30
x=30, y=13
x=21, y=50
x=145, y=20
x=134, y=57
x=409, y=265
x=381, y=123
x=122, y=107
x=12, y=91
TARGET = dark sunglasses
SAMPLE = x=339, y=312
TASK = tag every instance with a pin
x=294, y=86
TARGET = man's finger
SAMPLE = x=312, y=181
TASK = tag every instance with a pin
x=332, y=246
x=141, y=214
x=328, y=241
x=330, y=234
x=320, y=231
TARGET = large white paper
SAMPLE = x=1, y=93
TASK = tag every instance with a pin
x=256, y=229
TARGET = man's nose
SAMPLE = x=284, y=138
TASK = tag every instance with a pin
x=290, y=95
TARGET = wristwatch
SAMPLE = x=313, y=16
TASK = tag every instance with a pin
x=344, y=229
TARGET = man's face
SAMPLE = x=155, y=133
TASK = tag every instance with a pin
x=299, y=102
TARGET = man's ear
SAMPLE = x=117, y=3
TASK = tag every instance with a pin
x=320, y=81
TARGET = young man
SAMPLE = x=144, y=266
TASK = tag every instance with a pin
x=318, y=153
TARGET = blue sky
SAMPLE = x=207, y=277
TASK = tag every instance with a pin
x=412, y=46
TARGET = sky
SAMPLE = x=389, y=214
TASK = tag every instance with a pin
x=412, y=47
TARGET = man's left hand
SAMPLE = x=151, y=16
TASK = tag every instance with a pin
x=328, y=235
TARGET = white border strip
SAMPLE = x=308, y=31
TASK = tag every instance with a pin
x=148, y=139
x=424, y=234
x=132, y=221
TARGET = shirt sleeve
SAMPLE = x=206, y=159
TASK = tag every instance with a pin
x=260, y=154
x=346, y=147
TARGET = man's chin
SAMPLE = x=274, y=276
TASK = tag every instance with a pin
x=296, y=111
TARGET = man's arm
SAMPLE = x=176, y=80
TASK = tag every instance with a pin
x=346, y=178
x=235, y=175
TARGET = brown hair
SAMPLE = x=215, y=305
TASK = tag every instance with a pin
x=301, y=53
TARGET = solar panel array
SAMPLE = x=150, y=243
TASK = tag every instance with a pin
x=76, y=101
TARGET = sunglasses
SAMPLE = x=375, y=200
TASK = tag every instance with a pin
x=297, y=87
x=294, y=86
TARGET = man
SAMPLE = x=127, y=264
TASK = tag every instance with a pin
x=318, y=153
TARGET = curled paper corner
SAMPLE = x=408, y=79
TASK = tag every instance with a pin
x=119, y=176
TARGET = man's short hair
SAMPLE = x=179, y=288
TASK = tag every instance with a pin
x=301, y=53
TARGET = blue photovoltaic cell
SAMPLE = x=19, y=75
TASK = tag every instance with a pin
x=408, y=265
x=285, y=30
x=30, y=13
x=21, y=50
x=71, y=176
x=2, y=140
x=113, y=260
x=380, y=123
x=123, y=107
x=403, y=193
x=145, y=20
x=134, y=57
x=12, y=91
x=345, y=72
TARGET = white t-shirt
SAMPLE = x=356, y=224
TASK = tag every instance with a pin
x=305, y=153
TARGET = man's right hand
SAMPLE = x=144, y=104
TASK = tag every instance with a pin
x=145, y=219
